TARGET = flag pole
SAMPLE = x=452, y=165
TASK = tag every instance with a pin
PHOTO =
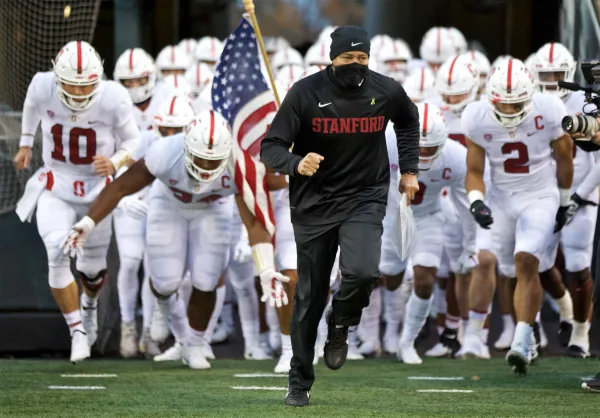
x=249, y=6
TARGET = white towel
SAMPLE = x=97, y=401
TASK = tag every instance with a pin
x=33, y=189
x=406, y=227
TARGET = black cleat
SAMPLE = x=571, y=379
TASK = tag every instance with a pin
x=336, y=346
x=297, y=397
x=593, y=385
x=575, y=351
x=518, y=362
x=449, y=339
x=565, y=329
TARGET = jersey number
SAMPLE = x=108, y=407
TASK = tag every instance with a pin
x=516, y=165
x=74, y=135
x=185, y=197
x=418, y=197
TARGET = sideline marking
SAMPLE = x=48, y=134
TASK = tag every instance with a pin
x=257, y=388
x=88, y=375
x=434, y=378
x=77, y=387
x=261, y=375
x=444, y=391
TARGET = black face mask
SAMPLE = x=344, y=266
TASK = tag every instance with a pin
x=350, y=75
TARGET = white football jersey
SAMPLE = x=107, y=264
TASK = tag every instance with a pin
x=145, y=118
x=583, y=161
x=392, y=148
x=521, y=157
x=165, y=160
x=71, y=139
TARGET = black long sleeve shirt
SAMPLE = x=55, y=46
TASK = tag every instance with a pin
x=346, y=127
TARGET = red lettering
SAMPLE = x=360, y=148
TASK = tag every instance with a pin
x=537, y=120
x=225, y=183
x=326, y=125
x=211, y=198
x=372, y=124
x=345, y=126
x=316, y=125
x=57, y=152
x=355, y=124
x=364, y=125
x=78, y=188
x=75, y=147
x=334, y=126
x=381, y=125
x=446, y=173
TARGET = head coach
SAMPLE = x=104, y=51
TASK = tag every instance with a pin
x=339, y=180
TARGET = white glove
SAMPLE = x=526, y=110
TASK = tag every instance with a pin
x=73, y=244
x=135, y=206
x=242, y=253
x=273, y=290
x=468, y=260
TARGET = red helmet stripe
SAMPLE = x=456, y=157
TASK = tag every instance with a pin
x=425, y=115
x=198, y=74
x=395, y=43
x=172, y=55
x=451, y=70
x=79, y=58
x=551, y=57
x=213, y=49
x=422, y=85
x=131, y=59
x=172, y=107
x=439, y=41
x=509, y=77
x=211, y=135
x=176, y=80
x=291, y=73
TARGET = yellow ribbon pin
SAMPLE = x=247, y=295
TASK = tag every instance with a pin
x=372, y=101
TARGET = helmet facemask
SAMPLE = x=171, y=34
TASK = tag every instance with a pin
x=511, y=114
x=204, y=168
x=75, y=100
x=139, y=88
x=427, y=156
x=548, y=82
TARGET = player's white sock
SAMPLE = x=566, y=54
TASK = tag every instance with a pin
x=507, y=321
x=247, y=300
x=178, y=321
x=439, y=304
x=580, y=336
x=148, y=303
x=271, y=317
x=417, y=311
x=128, y=286
x=565, y=307
x=196, y=337
x=484, y=335
x=371, y=315
x=475, y=324
x=452, y=322
x=185, y=289
x=74, y=321
x=522, y=338
x=89, y=301
x=214, y=318
x=286, y=342
x=393, y=309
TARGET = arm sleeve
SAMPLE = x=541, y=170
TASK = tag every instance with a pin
x=406, y=125
x=31, y=117
x=275, y=147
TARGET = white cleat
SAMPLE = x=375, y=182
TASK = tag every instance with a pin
x=407, y=354
x=80, y=349
x=353, y=352
x=438, y=350
x=505, y=340
x=222, y=333
x=129, y=345
x=147, y=346
x=283, y=365
x=193, y=357
x=159, y=327
x=472, y=347
x=257, y=353
x=173, y=353
x=485, y=352
x=390, y=342
x=208, y=351
x=89, y=318
x=518, y=360
x=275, y=340
x=543, y=337
x=369, y=348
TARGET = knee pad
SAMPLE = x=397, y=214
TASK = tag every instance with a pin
x=129, y=267
x=92, y=266
x=93, y=283
x=162, y=288
x=60, y=277
x=205, y=284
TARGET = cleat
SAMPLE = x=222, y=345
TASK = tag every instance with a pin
x=159, y=327
x=353, y=351
x=275, y=340
x=283, y=365
x=390, y=341
x=518, y=361
x=438, y=350
x=485, y=352
x=593, y=385
x=408, y=355
x=449, y=343
x=370, y=348
x=263, y=342
x=80, y=349
x=257, y=353
x=128, y=346
x=565, y=329
x=222, y=334
x=172, y=354
x=89, y=318
x=576, y=351
x=147, y=346
x=297, y=397
x=505, y=340
x=336, y=346
x=207, y=351
x=193, y=357
x=472, y=348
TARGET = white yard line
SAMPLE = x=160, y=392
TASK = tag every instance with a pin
x=257, y=388
x=434, y=378
x=77, y=387
x=444, y=391
x=261, y=375
x=88, y=375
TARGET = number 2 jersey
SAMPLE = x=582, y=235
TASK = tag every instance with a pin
x=72, y=138
x=520, y=157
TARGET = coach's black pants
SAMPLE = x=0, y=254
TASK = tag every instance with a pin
x=359, y=239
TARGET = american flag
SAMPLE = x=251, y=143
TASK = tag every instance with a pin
x=241, y=94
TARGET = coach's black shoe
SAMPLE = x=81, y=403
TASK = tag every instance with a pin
x=336, y=346
x=593, y=385
x=565, y=329
x=575, y=351
x=297, y=397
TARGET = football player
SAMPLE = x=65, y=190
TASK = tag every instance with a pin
x=208, y=51
x=89, y=133
x=172, y=60
x=436, y=47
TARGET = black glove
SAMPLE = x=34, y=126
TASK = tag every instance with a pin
x=565, y=214
x=482, y=214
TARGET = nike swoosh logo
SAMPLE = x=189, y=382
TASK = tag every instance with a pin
x=323, y=105
x=354, y=44
x=533, y=133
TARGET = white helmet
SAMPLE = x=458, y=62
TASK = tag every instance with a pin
x=199, y=76
x=286, y=56
x=500, y=59
x=178, y=83
x=188, y=46
x=436, y=46
x=289, y=74
x=209, y=50
x=458, y=76
x=318, y=54
x=483, y=64
x=136, y=63
x=510, y=82
x=378, y=43
x=420, y=84
x=394, y=60
x=274, y=43
x=433, y=133
x=208, y=137
x=458, y=39
x=175, y=112
x=78, y=64
x=172, y=58
x=325, y=35
x=554, y=58
x=313, y=69
x=203, y=101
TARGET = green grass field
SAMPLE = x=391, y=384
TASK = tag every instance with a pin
x=360, y=389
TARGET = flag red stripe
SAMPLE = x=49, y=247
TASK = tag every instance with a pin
x=509, y=77
x=172, y=107
x=254, y=118
x=79, y=58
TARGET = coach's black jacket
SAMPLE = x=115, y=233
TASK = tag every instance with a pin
x=346, y=127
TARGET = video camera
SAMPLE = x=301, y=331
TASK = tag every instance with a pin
x=587, y=123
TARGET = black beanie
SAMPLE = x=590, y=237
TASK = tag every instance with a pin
x=349, y=38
